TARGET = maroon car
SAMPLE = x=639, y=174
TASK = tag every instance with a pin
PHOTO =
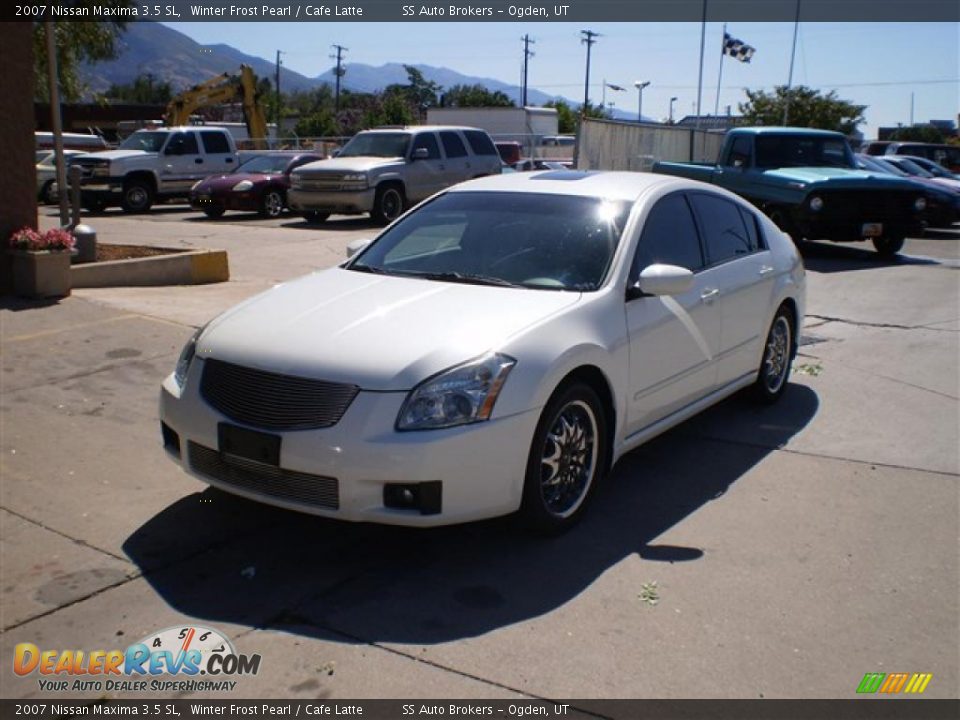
x=259, y=185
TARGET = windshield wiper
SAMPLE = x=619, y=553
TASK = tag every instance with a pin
x=368, y=269
x=469, y=278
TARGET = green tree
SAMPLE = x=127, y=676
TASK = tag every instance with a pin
x=77, y=43
x=568, y=119
x=808, y=108
x=419, y=92
x=917, y=133
x=475, y=96
x=144, y=90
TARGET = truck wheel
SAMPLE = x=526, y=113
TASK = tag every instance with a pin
x=888, y=247
x=271, y=205
x=137, y=196
x=315, y=216
x=388, y=204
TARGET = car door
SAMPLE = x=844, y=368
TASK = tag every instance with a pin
x=217, y=155
x=673, y=339
x=425, y=175
x=458, y=166
x=741, y=269
x=183, y=163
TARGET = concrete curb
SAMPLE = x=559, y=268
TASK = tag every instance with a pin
x=197, y=267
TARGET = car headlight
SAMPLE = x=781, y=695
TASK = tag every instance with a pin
x=458, y=396
x=242, y=186
x=920, y=204
x=186, y=357
x=816, y=203
x=100, y=171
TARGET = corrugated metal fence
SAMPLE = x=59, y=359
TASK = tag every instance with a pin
x=610, y=145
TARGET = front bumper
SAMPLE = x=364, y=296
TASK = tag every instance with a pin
x=354, y=201
x=244, y=201
x=481, y=467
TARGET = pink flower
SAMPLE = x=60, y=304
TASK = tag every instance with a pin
x=56, y=240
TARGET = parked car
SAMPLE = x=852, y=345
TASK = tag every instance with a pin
x=154, y=165
x=808, y=183
x=912, y=168
x=934, y=168
x=946, y=155
x=47, y=191
x=943, y=203
x=385, y=171
x=496, y=349
x=539, y=164
x=510, y=152
x=87, y=142
x=259, y=185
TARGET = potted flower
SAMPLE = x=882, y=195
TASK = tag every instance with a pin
x=41, y=262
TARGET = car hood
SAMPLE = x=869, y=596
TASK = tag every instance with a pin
x=833, y=177
x=112, y=155
x=379, y=332
x=348, y=164
x=227, y=181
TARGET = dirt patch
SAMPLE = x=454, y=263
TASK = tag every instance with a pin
x=126, y=252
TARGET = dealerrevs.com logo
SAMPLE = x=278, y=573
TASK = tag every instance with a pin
x=893, y=683
x=172, y=660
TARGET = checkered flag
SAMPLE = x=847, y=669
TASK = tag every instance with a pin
x=737, y=48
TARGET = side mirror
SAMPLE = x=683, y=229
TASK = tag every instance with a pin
x=355, y=246
x=659, y=279
x=420, y=154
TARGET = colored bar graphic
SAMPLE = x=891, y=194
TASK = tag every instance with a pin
x=918, y=683
x=894, y=683
x=871, y=682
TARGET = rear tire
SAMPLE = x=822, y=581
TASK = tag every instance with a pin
x=137, y=196
x=778, y=351
x=888, y=247
x=272, y=203
x=568, y=457
x=388, y=204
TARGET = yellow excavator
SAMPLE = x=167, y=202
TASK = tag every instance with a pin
x=223, y=89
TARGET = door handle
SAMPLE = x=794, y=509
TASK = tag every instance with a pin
x=765, y=270
x=708, y=296
x=198, y=161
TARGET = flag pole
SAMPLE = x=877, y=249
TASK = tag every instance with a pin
x=723, y=51
x=793, y=55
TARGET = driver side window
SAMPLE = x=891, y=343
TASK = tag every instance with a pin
x=669, y=237
x=429, y=141
x=183, y=143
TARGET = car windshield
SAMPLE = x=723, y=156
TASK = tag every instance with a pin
x=556, y=242
x=376, y=145
x=909, y=167
x=931, y=167
x=777, y=151
x=147, y=140
x=877, y=165
x=265, y=164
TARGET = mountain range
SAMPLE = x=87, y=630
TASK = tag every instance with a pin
x=170, y=56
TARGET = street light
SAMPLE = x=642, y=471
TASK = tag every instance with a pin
x=672, y=101
x=640, y=85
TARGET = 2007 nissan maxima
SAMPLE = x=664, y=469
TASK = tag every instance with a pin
x=495, y=349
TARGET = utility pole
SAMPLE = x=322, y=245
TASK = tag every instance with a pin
x=527, y=54
x=588, y=39
x=793, y=55
x=276, y=109
x=339, y=72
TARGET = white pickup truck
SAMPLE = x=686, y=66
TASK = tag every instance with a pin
x=154, y=164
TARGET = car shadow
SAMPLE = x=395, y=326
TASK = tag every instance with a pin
x=843, y=257
x=337, y=223
x=221, y=559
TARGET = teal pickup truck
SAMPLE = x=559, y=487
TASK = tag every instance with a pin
x=808, y=183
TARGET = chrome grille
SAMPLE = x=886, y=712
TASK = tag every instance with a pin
x=273, y=401
x=314, y=490
x=326, y=181
x=869, y=205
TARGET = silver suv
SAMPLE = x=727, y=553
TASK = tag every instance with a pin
x=385, y=171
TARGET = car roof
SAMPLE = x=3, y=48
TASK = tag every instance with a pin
x=786, y=131
x=419, y=128
x=609, y=185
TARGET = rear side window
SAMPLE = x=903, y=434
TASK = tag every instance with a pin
x=754, y=235
x=452, y=144
x=182, y=143
x=724, y=231
x=215, y=142
x=669, y=237
x=480, y=142
x=429, y=141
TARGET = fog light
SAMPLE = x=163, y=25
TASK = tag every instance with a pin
x=426, y=497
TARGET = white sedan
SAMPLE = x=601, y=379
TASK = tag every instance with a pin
x=495, y=349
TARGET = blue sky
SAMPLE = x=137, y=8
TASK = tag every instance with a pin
x=874, y=64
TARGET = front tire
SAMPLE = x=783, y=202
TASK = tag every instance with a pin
x=888, y=247
x=47, y=196
x=314, y=216
x=214, y=211
x=271, y=205
x=388, y=204
x=778, y=351
x=137, y=197
x=568, y=457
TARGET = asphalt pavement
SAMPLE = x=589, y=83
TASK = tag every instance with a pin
x=776, y=552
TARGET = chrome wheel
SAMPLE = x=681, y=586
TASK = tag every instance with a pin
x=389, y=204
x=568, y=459
x=272, y=204
x=776, y=355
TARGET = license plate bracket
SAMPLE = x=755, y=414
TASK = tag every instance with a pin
x=872, y=229
x=240, y=442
